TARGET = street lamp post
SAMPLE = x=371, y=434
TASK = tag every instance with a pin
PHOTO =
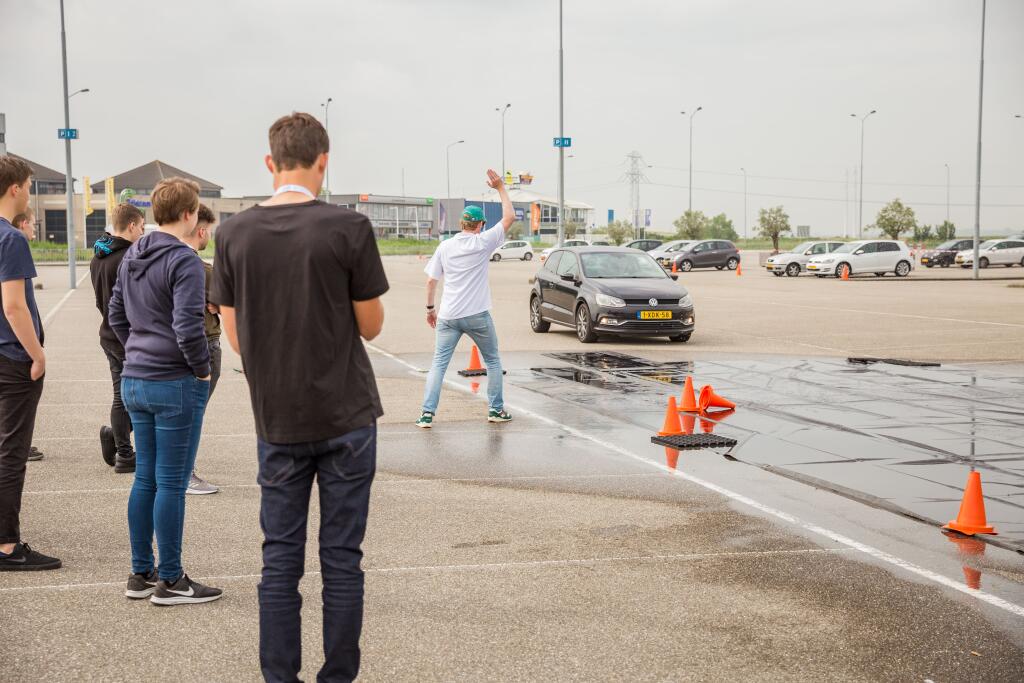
x=561, y=134
x=977, y=187
x=69, y=183
x=947, y=193
x=327, y=110
x=503, y=110
x=860, y=200
x=690, y=183
x=744, y=203
x=448, y=176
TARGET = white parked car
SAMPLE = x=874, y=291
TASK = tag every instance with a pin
x=793, y=262
x=864, y=256
x=1004, y=252
x=665, y=254
x=513, y=249
x=568, y=243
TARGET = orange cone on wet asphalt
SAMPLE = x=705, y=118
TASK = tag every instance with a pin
x=675, y=269
x=709, y=399
x=969, y=549
x=688, y=423
x=474, y=359
x=971, y=518
x=671, y=457
x=739, y=269
x=846, y=273
x=688, y=402
x=671, y=426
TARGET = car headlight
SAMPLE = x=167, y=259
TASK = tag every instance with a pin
x=609, y=301
x=686, y=302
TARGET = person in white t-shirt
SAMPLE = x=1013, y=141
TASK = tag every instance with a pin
x=463, y=263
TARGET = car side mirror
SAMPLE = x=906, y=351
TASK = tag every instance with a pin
x=569, y=278
x=807, y=253
x=858, y=252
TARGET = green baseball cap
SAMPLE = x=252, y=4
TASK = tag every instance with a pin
x=473, y=213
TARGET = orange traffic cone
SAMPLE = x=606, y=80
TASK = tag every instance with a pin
x=739, y=269
x=671, y=457
x=475, y=368
x=846, y=273
x=971, y=518
x=675, y=269
x=688, y=402
x=709, y=399
x=688, y=423
x=671, y=426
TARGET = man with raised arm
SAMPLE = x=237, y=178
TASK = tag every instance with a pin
x=463, y=262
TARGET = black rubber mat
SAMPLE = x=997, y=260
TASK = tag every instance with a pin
x=686, y=442
x=895, y=361
x=478, y=373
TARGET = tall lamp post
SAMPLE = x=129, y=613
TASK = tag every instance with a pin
x=68, y=180
x=690, y=183
x=561, y=134
x=448, y=176
x=744, y=203
x=947, y=192
x=860, y=200
x=503, y=110
x=977, y=186
x=327, y=110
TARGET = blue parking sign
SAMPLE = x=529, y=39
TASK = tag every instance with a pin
x=562, y=142
x=67, y=133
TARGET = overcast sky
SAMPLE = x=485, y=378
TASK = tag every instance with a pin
x=197, y=84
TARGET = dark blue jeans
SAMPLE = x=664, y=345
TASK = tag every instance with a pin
x=343, y=468
x=168, y=418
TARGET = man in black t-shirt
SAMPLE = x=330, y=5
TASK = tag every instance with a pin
x=298, y=282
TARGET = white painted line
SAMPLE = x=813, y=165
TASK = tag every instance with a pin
x=53, y=311
x=870, y=551
x=487, y=565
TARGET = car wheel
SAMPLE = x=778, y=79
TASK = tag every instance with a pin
x=843, y=268
x=584, y=325
x=902, y=269
x=777, y=273
x=528, y=256
x=732, y=263
x=496, y=258
x=686, y=266
x=793, y=269
x=681, y=338
x=983, y=262
x=537, y=321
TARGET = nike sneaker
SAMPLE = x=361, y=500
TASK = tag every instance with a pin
x=141, y=585
x=184, y=591
x=24, y=559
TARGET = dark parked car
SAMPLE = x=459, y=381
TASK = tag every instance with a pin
x=705, y=254
x=644, y=245
x=944, y=254
x=609, y=290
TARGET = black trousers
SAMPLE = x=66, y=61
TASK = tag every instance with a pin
x=19, y=399
x=120, y=422
x=215, y=358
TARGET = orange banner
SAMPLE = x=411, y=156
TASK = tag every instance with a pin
x=535, y=218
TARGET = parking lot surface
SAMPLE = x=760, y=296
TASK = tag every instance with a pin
x=564, y=545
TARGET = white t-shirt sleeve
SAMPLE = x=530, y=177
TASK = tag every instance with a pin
x=434, y=269
x=495, y=236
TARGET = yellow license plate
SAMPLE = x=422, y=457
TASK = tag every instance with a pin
x=655, y=315
x=812, y=267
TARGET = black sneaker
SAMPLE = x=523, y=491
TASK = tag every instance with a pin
x=124, y=465
x=141, y=585
x=184, y=591
x=34, y=454
x=24, y=559
x=107, y=445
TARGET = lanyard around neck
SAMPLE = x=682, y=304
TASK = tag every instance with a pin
x=294, y=188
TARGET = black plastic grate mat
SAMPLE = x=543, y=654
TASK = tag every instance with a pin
x=687, y=442
x=895, y=361
x=602, y=360
x=478, y=373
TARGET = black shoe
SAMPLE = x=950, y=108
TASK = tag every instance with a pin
x=124, y=465
x=34, y=454
x=141, y=585
x=107, y=445
x=24, y=559
x=184, y=591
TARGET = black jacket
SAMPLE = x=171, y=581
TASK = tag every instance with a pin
x=108, y=250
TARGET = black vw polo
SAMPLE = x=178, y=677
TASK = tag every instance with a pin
x=609, y=290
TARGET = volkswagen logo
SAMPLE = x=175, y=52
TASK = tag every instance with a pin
x=653, y=302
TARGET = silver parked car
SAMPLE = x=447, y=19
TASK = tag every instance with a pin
x=793, y=262
x=668, y=250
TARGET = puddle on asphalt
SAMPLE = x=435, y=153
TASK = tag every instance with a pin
x=898, y=436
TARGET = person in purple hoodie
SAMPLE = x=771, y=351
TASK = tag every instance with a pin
x=156, y=311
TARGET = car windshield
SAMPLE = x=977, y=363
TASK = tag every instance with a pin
x=987, y=244
x=849, y=248
x=611, y=264
x=801, y=248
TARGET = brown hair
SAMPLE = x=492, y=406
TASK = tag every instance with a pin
x=13, y=171
x=470, y=225
x=21, y=217
x=172, y=197
x=206, y=215
x=124, y=215
x=297, y=140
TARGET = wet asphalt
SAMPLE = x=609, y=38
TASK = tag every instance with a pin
x=564, y=545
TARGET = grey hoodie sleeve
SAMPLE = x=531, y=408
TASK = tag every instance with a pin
x=188, y=289
x=116, y=317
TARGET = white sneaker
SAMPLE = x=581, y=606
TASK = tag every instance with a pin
x=200, y=487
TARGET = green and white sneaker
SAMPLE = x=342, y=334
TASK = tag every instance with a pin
x=426, y=421
x=498, y=416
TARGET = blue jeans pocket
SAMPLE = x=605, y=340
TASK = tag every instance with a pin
x=164, y=398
